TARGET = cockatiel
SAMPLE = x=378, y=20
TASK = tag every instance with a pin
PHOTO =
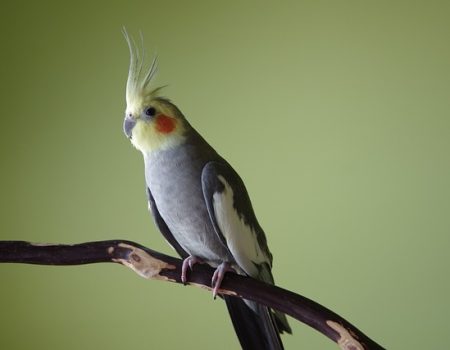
x=199, y=202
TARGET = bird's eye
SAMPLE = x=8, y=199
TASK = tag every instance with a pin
x=150, y=111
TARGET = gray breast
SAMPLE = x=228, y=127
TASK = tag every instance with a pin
x=174, y=178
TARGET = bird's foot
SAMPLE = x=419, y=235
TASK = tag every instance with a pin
x=218, y=276
x=190, y=261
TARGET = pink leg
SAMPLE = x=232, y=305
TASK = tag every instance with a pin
x=190, y=261
x=218, y=276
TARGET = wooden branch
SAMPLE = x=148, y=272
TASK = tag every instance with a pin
x=153, y=265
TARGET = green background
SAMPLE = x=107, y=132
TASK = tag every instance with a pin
x=335, y=113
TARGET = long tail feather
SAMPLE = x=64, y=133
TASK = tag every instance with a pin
x=255, y=330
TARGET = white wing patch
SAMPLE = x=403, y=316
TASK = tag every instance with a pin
x=241, y=238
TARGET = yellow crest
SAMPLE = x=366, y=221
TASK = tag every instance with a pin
x=139, y=77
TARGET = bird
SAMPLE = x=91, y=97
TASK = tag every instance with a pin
x=199, y=202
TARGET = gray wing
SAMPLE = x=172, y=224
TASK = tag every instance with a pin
x=233, y=218
x=234, y=221
x=162, y=226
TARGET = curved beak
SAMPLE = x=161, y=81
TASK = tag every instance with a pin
x=128, y=125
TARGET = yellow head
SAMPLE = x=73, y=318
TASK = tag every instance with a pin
x=151, y=122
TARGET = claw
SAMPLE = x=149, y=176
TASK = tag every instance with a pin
x=190, y=261
x=218, y=276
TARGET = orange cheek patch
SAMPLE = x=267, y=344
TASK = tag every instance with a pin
x=165, y=124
